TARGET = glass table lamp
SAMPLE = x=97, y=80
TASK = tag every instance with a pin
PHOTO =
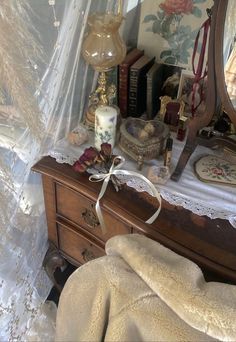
x=103, y=49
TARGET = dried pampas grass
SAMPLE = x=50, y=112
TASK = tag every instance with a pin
x=19, y=51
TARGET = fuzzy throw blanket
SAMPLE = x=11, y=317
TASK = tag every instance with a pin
x=142, y=291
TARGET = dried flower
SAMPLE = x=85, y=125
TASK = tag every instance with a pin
x=91, y=153
x=89, y=156
x=79, y=167
x=92, y=156
x=106, y=149
x=82, y=158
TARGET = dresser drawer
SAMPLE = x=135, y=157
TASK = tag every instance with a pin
x=77, y=246
x=81, y=211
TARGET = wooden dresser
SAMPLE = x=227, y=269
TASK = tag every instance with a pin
x=75, y=234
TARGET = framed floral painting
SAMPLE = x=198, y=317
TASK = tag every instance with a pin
x=168, y=29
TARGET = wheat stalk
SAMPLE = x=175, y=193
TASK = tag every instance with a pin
x=19, y=46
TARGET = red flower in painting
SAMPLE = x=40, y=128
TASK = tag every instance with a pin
x=177, y=6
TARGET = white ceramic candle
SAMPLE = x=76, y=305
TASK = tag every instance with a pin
x=105, y=126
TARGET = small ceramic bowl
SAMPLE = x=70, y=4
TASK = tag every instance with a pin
x=158, y=174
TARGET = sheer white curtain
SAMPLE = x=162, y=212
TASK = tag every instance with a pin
x=44, y=88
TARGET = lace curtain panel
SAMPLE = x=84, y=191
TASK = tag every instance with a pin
x=44, y=86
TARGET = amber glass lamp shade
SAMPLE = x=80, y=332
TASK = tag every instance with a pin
x=103, y=47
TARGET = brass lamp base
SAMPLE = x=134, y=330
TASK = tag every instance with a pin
x=102, y=96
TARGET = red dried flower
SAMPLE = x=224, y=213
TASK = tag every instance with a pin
x=106, y=149
x=91, y=153
x=83, y=158
x=92, y=156
x=79, y=167
x=89, y=156
x=104, y=158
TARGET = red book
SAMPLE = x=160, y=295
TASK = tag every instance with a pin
x=124, y=69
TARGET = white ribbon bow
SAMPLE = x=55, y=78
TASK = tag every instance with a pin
x=115, y=170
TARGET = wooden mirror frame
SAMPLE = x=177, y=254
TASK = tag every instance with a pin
x=219, y=61
x=217, y=95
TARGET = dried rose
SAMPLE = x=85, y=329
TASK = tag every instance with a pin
x=83, y=158
x=92, y=156
x=91, y=153
x=79, y=167
x=106, y=149
x=100, y=159
x=89, y=156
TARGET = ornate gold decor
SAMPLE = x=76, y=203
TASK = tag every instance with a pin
x=143, y=140
x=103, y=49
x=171, y=110
x=102, y=96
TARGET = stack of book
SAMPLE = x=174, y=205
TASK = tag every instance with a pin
x=140, y=84
x=124, y=79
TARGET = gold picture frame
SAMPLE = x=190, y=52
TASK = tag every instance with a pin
x=165, y=100
x=185, y=90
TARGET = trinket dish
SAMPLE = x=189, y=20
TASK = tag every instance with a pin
x=158, y=174
x=143, y=140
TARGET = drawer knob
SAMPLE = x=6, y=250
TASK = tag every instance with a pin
x=90, y=218
x=88, y=255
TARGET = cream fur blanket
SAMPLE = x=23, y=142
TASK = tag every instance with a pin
x=142, y=291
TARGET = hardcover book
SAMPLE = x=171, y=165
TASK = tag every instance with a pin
x=154, y=88
x=138, y=85
x=124, y=69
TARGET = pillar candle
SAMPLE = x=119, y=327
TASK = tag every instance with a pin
x=105, y=126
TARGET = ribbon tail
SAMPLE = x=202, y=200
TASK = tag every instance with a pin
x=114, y=171
x=100, y=217
x=158, y=197
x=154, y=216
x=97, y=206
x=155, y=192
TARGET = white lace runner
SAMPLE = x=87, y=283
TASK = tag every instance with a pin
x=199, y=208
x=212, y=200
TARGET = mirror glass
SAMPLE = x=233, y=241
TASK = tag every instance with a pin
x=229, y=51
